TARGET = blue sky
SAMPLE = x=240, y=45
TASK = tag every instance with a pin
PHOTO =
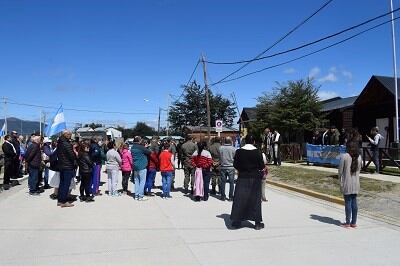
x=111, y=55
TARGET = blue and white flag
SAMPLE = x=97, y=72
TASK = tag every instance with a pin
x=3, y=130
x=57, y=124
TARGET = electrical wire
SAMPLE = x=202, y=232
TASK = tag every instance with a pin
x=308, y=54
x=190, y=79
x=307, y=44
x=278, y=41
x=81, y=110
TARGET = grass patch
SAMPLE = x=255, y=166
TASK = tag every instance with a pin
x=324, y=182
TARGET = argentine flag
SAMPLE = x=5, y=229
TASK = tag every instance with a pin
x=57, y=124
x=3, y=130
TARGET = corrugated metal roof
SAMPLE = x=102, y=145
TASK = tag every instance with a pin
x=339, y=104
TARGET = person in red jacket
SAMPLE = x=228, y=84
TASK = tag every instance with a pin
x=202, y=161
x=152, y=167
x=166, y=168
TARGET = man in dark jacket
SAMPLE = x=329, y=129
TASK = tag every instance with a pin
x=9, y=157
x=16, y=162
x=66, y=165
x=95, y=157
x=34, y=159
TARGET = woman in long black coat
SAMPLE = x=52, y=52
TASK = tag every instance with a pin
x=247, y=199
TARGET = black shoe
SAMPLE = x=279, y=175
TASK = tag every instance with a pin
x=259, y=226
x=6, y=186
x=82, y=198
x=223, y=198
x=34, y=193
x=236, y=225
x=186, y=191
x=213, y=192
x=89, y=199
x=53, y=196
x=230, y=199
x=47, y=187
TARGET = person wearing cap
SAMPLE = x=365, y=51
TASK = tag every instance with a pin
x=48, y=150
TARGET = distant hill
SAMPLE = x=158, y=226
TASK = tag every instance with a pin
x=23, y=127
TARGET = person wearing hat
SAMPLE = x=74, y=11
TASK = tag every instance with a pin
x=48, y=151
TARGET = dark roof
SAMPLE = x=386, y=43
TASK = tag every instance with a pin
x=248, y=114
x=388, y=83
x=338, y=103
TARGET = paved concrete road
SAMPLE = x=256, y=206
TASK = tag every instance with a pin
x=178, y=231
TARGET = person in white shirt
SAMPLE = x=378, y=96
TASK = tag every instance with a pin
x=374, y=142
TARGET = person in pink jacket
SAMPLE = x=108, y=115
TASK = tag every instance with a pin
x=126, y=166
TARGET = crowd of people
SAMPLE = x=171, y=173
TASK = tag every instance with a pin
x=60, y=164
x=63, y=163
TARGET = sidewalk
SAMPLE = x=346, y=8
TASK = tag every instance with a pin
x=121, y=231
x=381, y=177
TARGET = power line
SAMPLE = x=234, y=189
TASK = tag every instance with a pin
x=308, y=54
x=307, y=44
x=190, y=79
x=82, y=110
x=278, y=41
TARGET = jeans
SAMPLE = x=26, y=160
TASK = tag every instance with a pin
x=140, y=179
x=65, y=182
x=375, y=159
x=46, y=176
x=206, y=179
x=112, y=177
x=351, y=208
x=151, y=175
x=277, y=154
x=33, y=179
x=166, y=183
x=230, y=174
x=125, y=179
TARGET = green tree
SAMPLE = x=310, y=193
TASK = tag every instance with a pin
x=292, y=108
x=191, y=109
x=142, y=129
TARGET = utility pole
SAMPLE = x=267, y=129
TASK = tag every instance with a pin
x=396, y=99
x=237, y=108
x=159, y=120
x=40, y=123
x=168, y=102
x=207, y=98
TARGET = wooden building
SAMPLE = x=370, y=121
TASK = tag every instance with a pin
x=200, y=133
x=247, y=117
x=339, y=111
x=375, y=106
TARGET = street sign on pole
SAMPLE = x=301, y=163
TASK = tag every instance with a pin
x=218, y=126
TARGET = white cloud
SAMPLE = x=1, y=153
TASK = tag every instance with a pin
x=333, y=69
x=290, y=70
x=347, y=74
x=324, y=95
x=314, y=72
x=331, y=77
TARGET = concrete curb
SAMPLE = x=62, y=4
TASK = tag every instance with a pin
x=307, y=192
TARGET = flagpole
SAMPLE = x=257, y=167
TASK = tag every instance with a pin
x=396, y=99
x=5, y=115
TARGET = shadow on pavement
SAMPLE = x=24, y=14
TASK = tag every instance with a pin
x=228, y=222
x=326, y=220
